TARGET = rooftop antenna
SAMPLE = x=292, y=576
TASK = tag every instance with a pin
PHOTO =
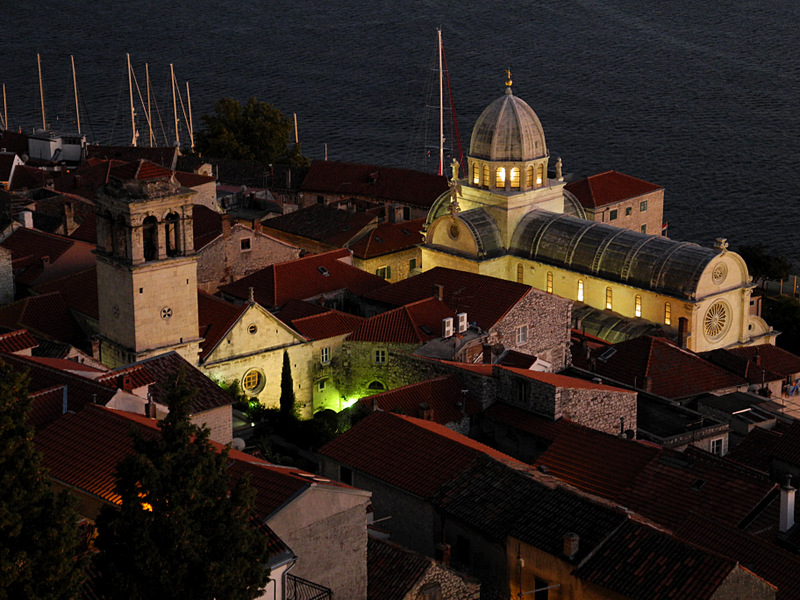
x=75, y=89
x=41, y=90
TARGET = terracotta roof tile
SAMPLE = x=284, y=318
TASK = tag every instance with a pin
x=444, y=396
x=369, y=181
x=326, y=325
x=79, y=291
x=392, y=571
x=30, y=178
x=414, y=323
x=463, y=292
x=643, y=563
x=165, y=157
x=17, y=340
x=298, y=309
x=756, y=449
x=609, y=188
x=518, y=360
x=303, y=278
x=215, y=317
x=414, y=455
x=563, y=381
x=772, y=358
x=541, y=427
x=788, y=447
x=322, y=223
x=387, y=238
x=46, y=315
x=206, y=226
x=127, y=378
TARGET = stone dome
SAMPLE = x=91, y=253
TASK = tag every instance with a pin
x=508, y=130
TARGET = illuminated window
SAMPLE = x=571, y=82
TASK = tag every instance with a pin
x=580, y=290
x=667, y=314
x=380, y=357
x=549, y=282
x=514, y=178
x=529, y=177
x=637, y=307
x=522, y=334
x=321, y=385
x=608, y=298
x=485, y=175
x=539, y=175
x=253, y=381
x=500, y=177
x=716, y=446
x=325, y=356
x=643, y=206
x=612, y=216
x=520, y=273
x=476, y=173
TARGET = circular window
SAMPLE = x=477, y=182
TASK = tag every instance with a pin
x=253, y=381
x=252, y=329
x=717, y=320
x=166, y=312
x=453, y=231
x=719, y=273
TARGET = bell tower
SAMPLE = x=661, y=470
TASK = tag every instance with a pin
x=146, y=271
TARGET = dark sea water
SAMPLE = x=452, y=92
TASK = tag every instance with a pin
x=700, y=97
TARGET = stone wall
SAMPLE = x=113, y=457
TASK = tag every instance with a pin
x=452, y=585
x=398, y=261
x=741, y=583
x=219, y=421
x=6, y=278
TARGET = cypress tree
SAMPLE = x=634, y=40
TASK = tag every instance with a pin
x=182, y=531
x=287, y=389
x=39, y=543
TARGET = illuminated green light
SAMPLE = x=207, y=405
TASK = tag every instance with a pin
x=348, y=402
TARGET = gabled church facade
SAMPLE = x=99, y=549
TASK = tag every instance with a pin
x=508, y=219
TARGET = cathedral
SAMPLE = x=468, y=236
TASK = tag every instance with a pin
x=509, y=219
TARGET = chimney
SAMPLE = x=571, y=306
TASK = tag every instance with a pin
x=757, y=358
x=257, y=226
x=787, y=506
x=683, y=332
x=571, y=544
x=648, y=384
x=126, y=383
x=487, y=353
x=27, y=219
x=226, y=224
x=45, y=261
x=425, y=412
x=150, y=409
x=438, y=291
x=395, y=213
x=443, y=554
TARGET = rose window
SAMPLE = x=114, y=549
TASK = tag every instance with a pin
x=719, y=273
x=717, y=320
x=166, y=312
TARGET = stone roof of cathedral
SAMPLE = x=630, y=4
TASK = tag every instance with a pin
x=649, y=262
x=508, y=130
x=485, y=232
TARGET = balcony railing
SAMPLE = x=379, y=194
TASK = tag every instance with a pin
x=298, y=588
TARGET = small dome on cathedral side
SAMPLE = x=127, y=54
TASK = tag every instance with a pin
x=508, y=130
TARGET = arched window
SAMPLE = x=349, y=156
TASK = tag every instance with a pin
x=529, y=177
x=376, y=386
x=540, y=175
x=150, y=238
x=637, y=306
x=171, y=224
x=549, y=282
x=500, y=178
x=120, y=243
x=667, y=314
x=476, y=173
x=485, y=175
x=514, y=178
x=609, y=303
x=580, y=290
x=520, y=273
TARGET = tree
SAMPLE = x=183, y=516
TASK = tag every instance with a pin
x=182, y=530
x=39, y=542
x=287, y=402
x=256, y=131
x=764, y=266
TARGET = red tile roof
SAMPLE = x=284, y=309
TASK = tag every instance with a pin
x=741, y=365
x=772, y=358
x=563, y=381
x=392, y=571
x=46, y=315
x=35, y=253
x=519, y=360
x=637, y=561
x=756, y=449
x=633, y=361
x=6, y=165
x=322, y=223
x=29, y=242
x=326, y=325
x=369, y=181
x=676, y=484
x=206, y=226
x=79, y=291
x=191, y=180
x=609, y=188
x=303, y=278
x=443, y=395
x=416, y=456
x=215, y=317
x=298, y=309
x=414, y=323
x=127, y=378
x=526, y=421
x=165, y=157
x=788, y=447
x=16, y=341
x=30, y=178
x=596, y=462
x=142, y=170
x=463, y=292
x=387, y=238
x=766, y=560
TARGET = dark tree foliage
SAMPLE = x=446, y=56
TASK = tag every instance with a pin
x=182, y=531
x=256, y=131
x=287, y=402
x=39, y=542
x=783, y=313
x=764, y=266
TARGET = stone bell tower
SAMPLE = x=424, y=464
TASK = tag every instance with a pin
x=146, y=271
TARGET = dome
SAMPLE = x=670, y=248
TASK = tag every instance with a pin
x=508, y=130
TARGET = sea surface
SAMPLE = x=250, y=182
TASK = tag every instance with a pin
x=699, y=97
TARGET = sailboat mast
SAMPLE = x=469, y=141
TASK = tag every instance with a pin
x=75, y=88
x=5, y=109
x=174, y=105
x=191, y=127
x=41, y=90
x=149, y=113
x=441, y=107
x=130, y=92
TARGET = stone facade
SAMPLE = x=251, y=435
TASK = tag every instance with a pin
x=219, y=421
x=644, y=213
x=452, y=585
x=399, y=263
x=238, y=252
x=6, y=277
